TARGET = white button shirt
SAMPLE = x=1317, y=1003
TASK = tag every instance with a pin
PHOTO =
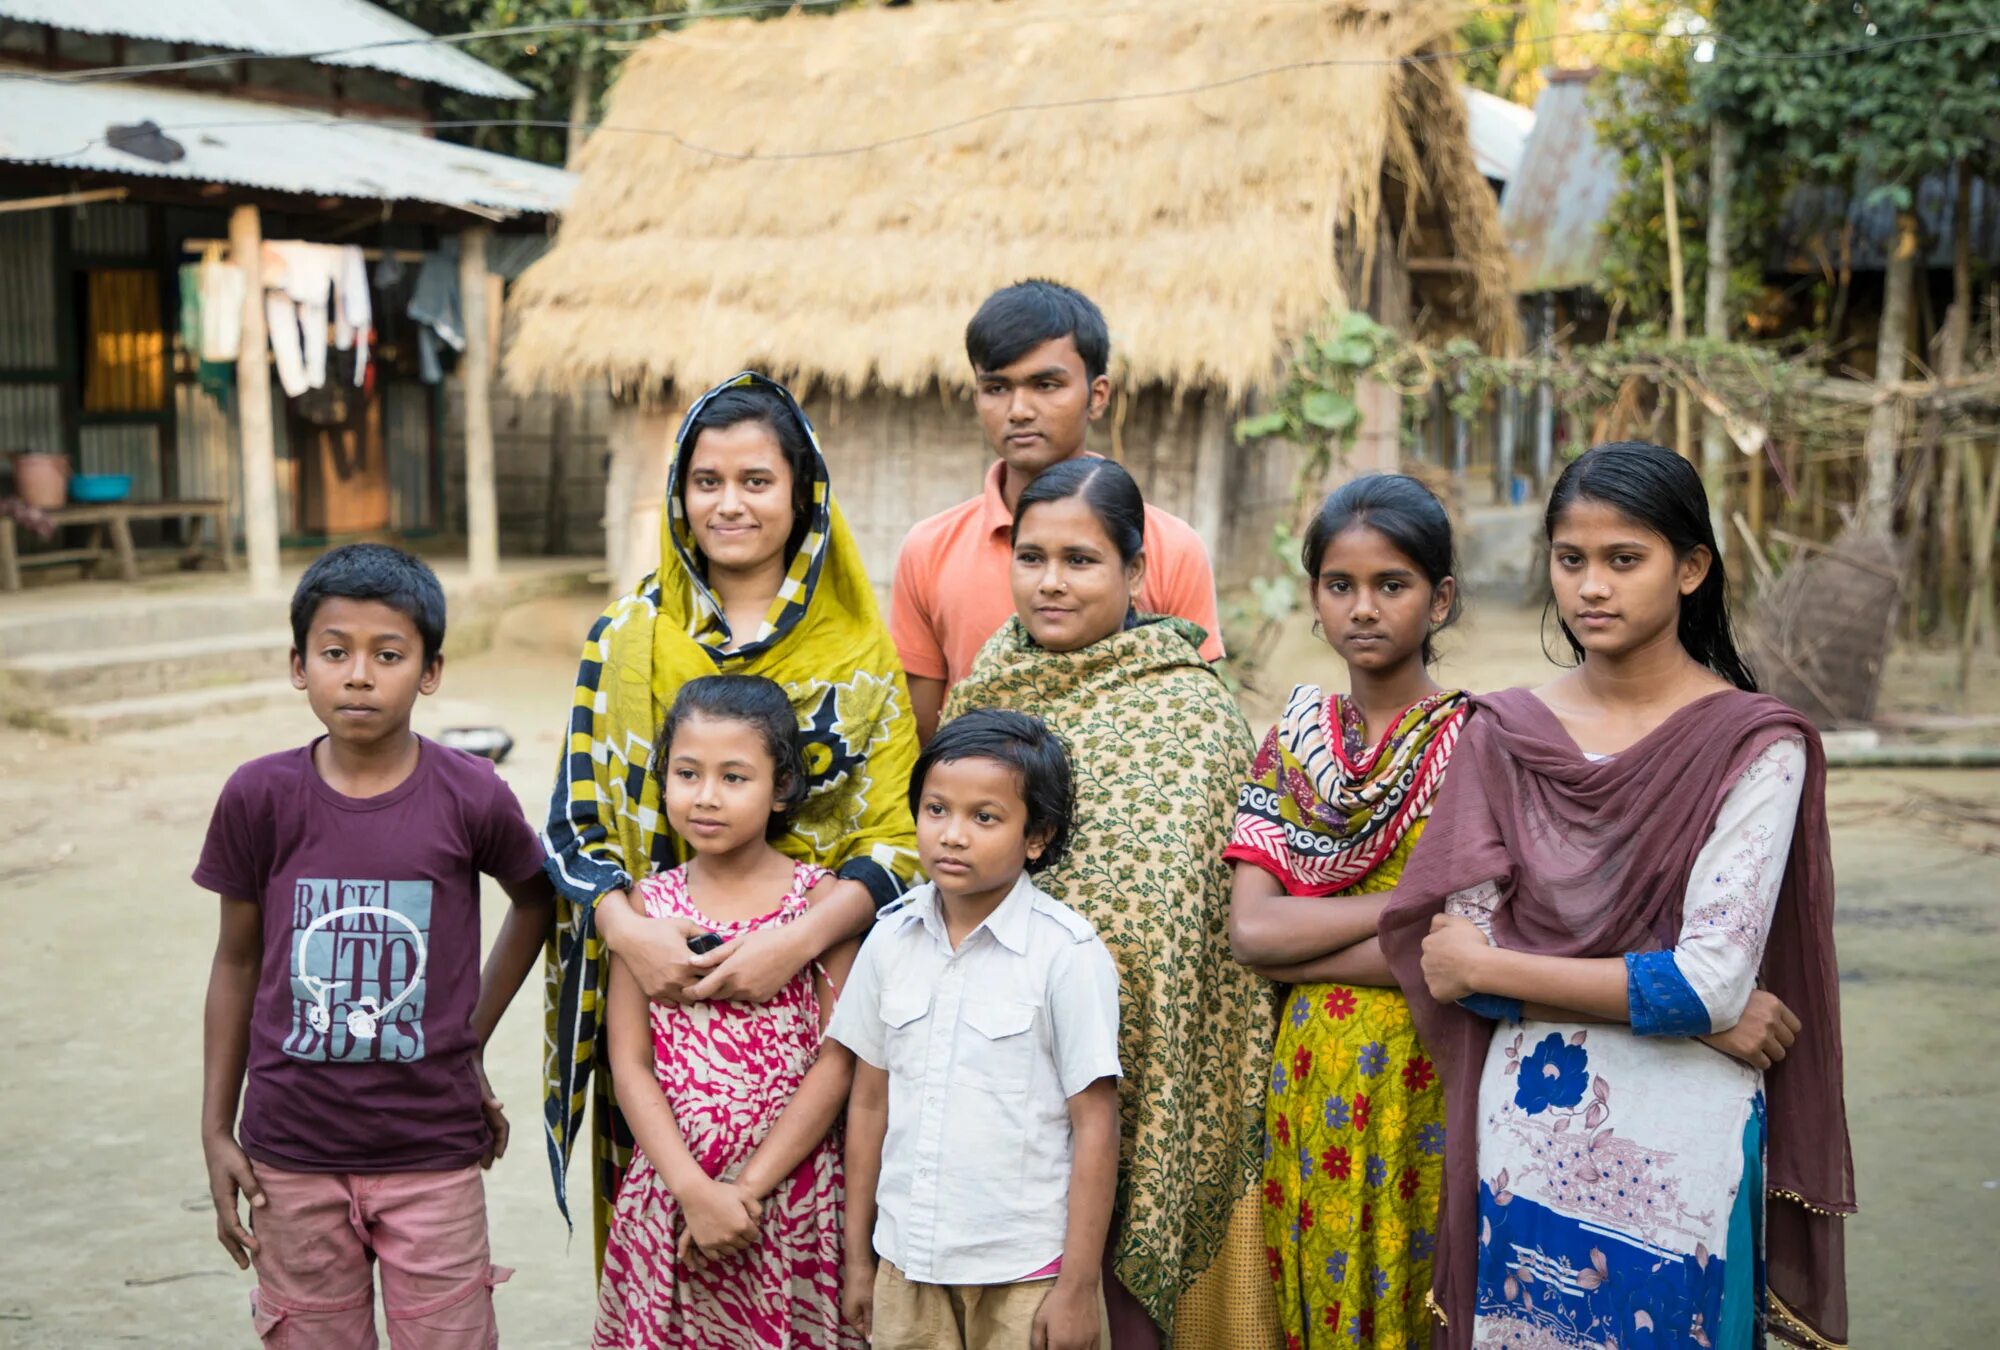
x=983, y=1046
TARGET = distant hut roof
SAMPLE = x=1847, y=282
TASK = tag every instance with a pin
x=776, y=193
x=330, y=32
x=1555, y=204
x=1499, y=129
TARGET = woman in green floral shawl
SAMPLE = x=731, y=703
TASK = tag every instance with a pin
x=1159, y=750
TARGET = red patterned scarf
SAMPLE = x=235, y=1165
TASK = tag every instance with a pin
x=1321, y=811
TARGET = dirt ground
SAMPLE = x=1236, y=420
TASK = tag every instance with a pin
x=108, y=945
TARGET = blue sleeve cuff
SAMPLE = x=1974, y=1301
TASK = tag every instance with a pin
x=1492, y=1006
x=1659, y=999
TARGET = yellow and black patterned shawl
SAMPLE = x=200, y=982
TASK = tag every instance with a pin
x=825, y=642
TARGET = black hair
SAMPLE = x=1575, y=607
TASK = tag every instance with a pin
x=1019, y=318
x=372, y=572
x=1403, y=511
x=1663, y=492
x=1026, y=745
x=1104, y=487
x=755, y=403
x=760, y=704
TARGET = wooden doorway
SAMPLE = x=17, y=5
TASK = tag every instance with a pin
x=343, y=464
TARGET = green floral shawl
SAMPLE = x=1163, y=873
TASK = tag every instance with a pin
x=1159, y=750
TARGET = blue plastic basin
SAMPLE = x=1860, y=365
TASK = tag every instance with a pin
x=100, y=487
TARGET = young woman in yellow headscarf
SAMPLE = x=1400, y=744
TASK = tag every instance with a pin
x=758, y=576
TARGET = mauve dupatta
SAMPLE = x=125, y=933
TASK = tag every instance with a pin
x=1593, y=859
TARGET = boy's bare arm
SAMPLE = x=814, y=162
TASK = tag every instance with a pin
x=522, y=935
x=1068, y=1319
x=225, y=1044
x=867, y=1124
x=803, y=1123
x=818, y=1102
x=927, y=703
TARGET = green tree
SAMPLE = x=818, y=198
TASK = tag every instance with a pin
x=1883, y=91
x=567, y=70
x=1645, y=113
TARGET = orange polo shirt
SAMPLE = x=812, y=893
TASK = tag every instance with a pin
x=952, y=589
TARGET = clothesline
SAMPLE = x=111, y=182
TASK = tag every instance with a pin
x=408, y=255
x=311, y=287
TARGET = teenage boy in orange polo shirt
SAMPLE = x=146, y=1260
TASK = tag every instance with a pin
x=1039, y=352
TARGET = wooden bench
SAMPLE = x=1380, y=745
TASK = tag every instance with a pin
x=113, y=536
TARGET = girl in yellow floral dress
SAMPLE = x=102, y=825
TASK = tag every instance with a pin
x=1354, y=1120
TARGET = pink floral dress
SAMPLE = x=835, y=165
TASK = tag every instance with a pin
x=728, y=1070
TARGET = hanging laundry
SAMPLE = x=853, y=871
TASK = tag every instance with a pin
x=221, y=286
x=305, y=287
x=434, y=305
x=298, y=281
x=216, y=378
x=354, y=312
x=388, y=267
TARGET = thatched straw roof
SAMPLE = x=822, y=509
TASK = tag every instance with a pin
x=747, y=228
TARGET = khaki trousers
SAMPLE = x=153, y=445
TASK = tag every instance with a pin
x=911, y=1316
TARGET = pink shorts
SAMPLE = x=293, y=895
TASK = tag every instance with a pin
x=319, y=1232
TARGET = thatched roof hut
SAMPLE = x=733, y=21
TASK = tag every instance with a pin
x=828, y=198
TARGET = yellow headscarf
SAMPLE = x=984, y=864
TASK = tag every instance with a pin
x=825, y=642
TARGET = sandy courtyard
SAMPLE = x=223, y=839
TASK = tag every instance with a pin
x=110, y=1239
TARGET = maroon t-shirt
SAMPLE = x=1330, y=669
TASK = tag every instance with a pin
x=361, y=1041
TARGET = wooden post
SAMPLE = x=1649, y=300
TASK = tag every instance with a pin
x=1715, y=320
x=1210, y=507
x=1951, y=360
x=1677, y=295
x=482, y=515
x=1545, y=404
x=1878, y=503
x=253, y=407
x=1461, y=437
x=1982, y=509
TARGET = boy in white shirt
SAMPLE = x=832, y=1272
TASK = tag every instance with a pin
x=982, y=1131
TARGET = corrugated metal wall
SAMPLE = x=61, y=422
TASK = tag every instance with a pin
x=27, y=291
x=109, y=230
x=30, y=411
x=209, y=461
x=406, y=433
x=122, y=447
x=31, y=417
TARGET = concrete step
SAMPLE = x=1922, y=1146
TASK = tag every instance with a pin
x=158, y=710
x=72, y=676
x=43, y=627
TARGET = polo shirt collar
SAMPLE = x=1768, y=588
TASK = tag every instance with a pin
x=1008, y=923
x=993, y=512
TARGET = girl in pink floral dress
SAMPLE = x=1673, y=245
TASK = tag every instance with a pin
x=727, y=1229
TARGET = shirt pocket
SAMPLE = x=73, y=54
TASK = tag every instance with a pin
x=906, y=1026
x=1000, y=1049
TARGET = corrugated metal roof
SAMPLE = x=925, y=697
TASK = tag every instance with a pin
x=298, y=28
x=1816, y=214
x=1499, y=130
x=1563, y=190
x=265, y=145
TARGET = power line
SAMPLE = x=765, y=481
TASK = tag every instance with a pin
x=958, y=124
x=105, y=74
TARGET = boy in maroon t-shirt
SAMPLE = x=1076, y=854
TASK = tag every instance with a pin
x=346, y=982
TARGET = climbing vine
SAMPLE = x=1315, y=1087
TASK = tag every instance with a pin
x=1605, y=391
